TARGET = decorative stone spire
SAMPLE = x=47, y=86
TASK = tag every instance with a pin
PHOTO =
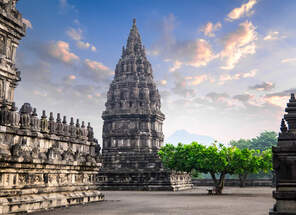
x=290, y=117
x=283, y=126
x=134, y=43
x=12, y=30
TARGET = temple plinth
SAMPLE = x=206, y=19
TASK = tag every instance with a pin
x=284, y=164
x=132, y=130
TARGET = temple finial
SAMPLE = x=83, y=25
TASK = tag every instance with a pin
x=283, y=126
x=134, y=21
x=292, y=99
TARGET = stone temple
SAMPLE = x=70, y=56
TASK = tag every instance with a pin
x=44, y=162
x=132, y=130
x=284, y=164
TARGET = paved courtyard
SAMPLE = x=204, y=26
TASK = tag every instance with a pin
x=234, y=201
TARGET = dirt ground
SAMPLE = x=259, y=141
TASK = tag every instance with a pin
x=234, y=201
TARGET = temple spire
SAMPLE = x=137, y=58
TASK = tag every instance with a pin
x=134, y=43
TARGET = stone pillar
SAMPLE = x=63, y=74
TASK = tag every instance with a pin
x=284, y=164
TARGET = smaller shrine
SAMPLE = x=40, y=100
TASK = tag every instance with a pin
x=284, y=164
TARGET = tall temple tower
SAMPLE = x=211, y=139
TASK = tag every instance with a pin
x=12, y=29
x=284, y=163
x=132, y=130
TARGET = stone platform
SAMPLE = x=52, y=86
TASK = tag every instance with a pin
x=145, y=181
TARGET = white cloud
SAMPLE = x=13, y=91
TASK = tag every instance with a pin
x=28, y=23
x=61, y=50
x=210, y=28
x=238, y=44
x=250, y=74
x=74, y=34
x=163, y=82
x=196, y=80
x=243, y=10
x=227, y=77
x=274, y=35
x=289, y=60
x=72, y=77
x=96, y=66
x=93, y=48
x=195, y=53
x=177, y=65
x=82, y=45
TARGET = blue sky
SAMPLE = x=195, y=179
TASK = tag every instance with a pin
x=224, y=68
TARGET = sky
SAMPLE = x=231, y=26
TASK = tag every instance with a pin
x=224, y=69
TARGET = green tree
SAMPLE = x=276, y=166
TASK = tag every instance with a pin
x=241, y=143
x=215, y=160
x=246, y=161
x=264, y=141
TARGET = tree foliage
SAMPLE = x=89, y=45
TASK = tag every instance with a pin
x=264, y=141
x=216, y=160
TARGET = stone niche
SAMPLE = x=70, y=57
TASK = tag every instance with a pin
x=45, y=163
x=284, y=164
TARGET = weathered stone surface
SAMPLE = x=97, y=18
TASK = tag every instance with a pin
x=44, y=163
x=132, y=130
x=284, y=164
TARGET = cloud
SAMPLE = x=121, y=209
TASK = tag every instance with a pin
x=195, y=53
x=72, y=77
x=177, y=65
x=210, y=28
x=216, y=96
x=237, y=76
x=93, y=48
x=196, y=80
x=242, y=97
x=243, y=10
x=181, y=86
x=28, y=23
x=265, y=86
x=250, y=74
x=82, y=45
x=63, y=3
x=96, y=71
x=96, y=66
x=60, y=50
x=74, y=34
x=163, y=82
x=272, y=36
x=238, y=44
x=279, y=101
x=289, y=60
x=221, y=101
x=280, y=98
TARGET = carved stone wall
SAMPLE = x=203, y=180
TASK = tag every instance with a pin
x=12, y=29
x=44, y=162
x=132, y=130
x=284, y=164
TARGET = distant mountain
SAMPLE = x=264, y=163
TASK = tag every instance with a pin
x=185, y=137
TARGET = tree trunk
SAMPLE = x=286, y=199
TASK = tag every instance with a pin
x=219, y=184
x=242, y=179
